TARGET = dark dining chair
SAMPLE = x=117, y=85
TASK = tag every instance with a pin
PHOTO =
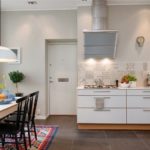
x=11, y=130
x=30, y=121
x=30, y=117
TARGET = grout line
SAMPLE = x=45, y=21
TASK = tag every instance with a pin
x=142, y=141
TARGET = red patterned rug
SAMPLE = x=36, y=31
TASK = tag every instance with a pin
x=45, y=135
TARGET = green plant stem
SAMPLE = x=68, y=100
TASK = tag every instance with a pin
x=16, y=88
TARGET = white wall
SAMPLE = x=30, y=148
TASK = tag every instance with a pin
x=131, y=22
x=29, y=30
x=84, y=21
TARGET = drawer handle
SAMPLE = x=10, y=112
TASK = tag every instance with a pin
x=146, y=98
x=146, y=91
x=102, y=98
x=96, y=109
x=146, y=109
x=101, y=91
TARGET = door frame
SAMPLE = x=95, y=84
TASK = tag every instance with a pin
x=48, y=42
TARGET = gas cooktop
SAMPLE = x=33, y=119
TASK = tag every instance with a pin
x=99, y=87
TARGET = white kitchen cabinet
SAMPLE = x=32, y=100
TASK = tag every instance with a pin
x=109, y=101
x=106, y=92
x=113, y=111
x=138, y=116
x=138, y=106
x=121, y=108
x=138, y=101
x=136, y=92
x=111, y=116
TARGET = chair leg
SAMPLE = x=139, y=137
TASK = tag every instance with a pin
x=24, y=138
x=29, y=134
x=16, y=141
x=3, y=140
x=34, y=130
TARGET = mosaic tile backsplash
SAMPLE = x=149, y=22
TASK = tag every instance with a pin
x=109, y=71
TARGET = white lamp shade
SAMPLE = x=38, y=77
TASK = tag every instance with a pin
x=7, y=55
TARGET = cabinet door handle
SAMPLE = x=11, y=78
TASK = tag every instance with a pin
x=146, y=98
x=146, y=109
x=101, y=109
x=101, y=91
x=146, y=91
x=102, y=98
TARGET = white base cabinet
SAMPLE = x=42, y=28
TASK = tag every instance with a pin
x=138, y=106
x=119, y=106
x=111, y=116
x=138, y=116
x=109, y=101
x=112, y=111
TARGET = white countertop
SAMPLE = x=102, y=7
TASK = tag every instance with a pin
x=119, y=88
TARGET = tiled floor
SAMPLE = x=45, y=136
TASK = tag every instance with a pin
x=70, y=138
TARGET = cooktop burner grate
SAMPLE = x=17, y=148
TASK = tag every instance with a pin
x=99, y=87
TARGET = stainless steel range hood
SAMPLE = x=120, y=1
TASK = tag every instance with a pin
x=100, y=42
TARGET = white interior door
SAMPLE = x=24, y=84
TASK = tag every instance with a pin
x=62, y=78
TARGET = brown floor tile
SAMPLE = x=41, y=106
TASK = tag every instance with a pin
x=87, y=145
x=70, y=138
x=119, y=144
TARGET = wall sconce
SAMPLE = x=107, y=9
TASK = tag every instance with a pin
x=140, y=41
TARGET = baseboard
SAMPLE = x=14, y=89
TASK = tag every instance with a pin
x=41, y=117
x=62, y=115
x=44, y=117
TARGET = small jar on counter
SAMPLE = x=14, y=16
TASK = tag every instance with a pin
x=117, y=83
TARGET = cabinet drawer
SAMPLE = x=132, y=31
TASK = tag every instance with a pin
x=111, y=116
x=138, y=116
x=138, y=101
x=138, y=92
x=109, y=101
x=101, y=92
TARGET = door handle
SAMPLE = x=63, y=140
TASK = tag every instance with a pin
x=51, y=81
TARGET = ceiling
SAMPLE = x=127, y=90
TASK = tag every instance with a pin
x=17, y=5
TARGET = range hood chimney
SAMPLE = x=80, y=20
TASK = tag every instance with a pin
x=99, y=15
x=100, y=42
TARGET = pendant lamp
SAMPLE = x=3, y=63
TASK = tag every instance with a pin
x=6, y=54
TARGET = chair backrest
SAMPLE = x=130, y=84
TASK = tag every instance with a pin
x=33, y=99
x=22, y=109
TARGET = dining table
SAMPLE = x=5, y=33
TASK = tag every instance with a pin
x=6, y=109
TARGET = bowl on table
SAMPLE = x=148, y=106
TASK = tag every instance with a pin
x=6, y=101
x=6, y=97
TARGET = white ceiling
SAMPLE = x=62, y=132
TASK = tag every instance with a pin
x=16, y=5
